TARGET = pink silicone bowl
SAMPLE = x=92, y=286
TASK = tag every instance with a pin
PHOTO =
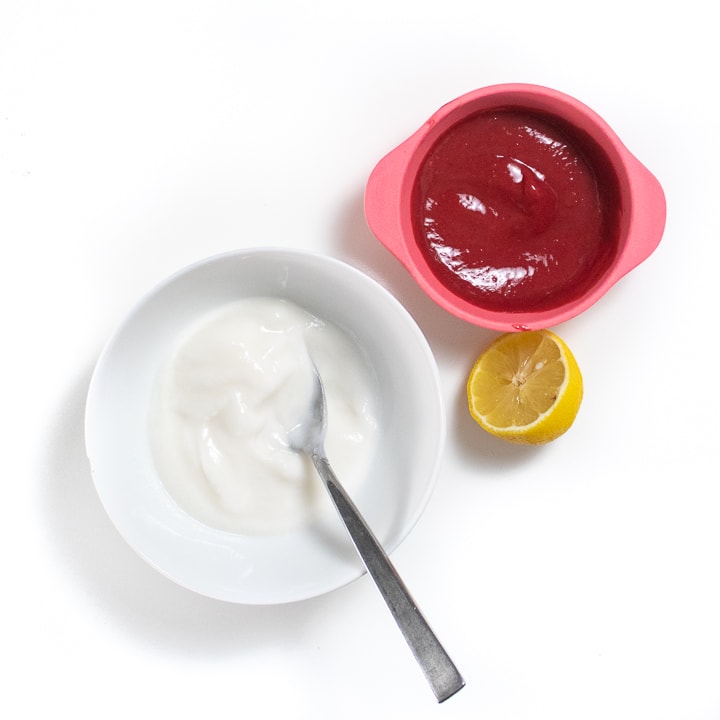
x=389, y=191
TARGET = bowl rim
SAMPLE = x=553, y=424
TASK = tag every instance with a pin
x=389, y=187
x=229, y=543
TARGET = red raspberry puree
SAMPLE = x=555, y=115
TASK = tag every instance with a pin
x=515, y=211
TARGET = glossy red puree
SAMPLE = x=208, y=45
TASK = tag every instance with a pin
x=515, y=212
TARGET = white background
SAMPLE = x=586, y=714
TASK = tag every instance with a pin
x=575, y=581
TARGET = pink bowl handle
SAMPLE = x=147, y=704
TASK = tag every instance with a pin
x=382, y=198
x=647, y=220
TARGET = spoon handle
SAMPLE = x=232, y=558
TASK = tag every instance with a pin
x=439, y=669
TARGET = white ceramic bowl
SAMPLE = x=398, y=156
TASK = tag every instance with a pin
x=301, y=564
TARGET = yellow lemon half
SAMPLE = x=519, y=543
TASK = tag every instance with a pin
x=525, y=387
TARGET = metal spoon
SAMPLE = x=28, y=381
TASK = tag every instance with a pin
x=440, y=671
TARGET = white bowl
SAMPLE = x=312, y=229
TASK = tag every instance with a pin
x=285, y=567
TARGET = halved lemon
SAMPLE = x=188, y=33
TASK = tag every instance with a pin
x=525, y=387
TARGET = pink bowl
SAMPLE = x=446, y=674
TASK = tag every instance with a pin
x=388, y=206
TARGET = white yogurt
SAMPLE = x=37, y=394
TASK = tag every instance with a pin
x=239, y=380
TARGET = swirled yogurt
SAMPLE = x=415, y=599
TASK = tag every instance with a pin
x=236, y=384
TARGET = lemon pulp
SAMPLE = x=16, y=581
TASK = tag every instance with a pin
x=525, y=387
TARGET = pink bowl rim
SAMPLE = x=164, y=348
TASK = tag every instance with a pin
x=387, y=205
